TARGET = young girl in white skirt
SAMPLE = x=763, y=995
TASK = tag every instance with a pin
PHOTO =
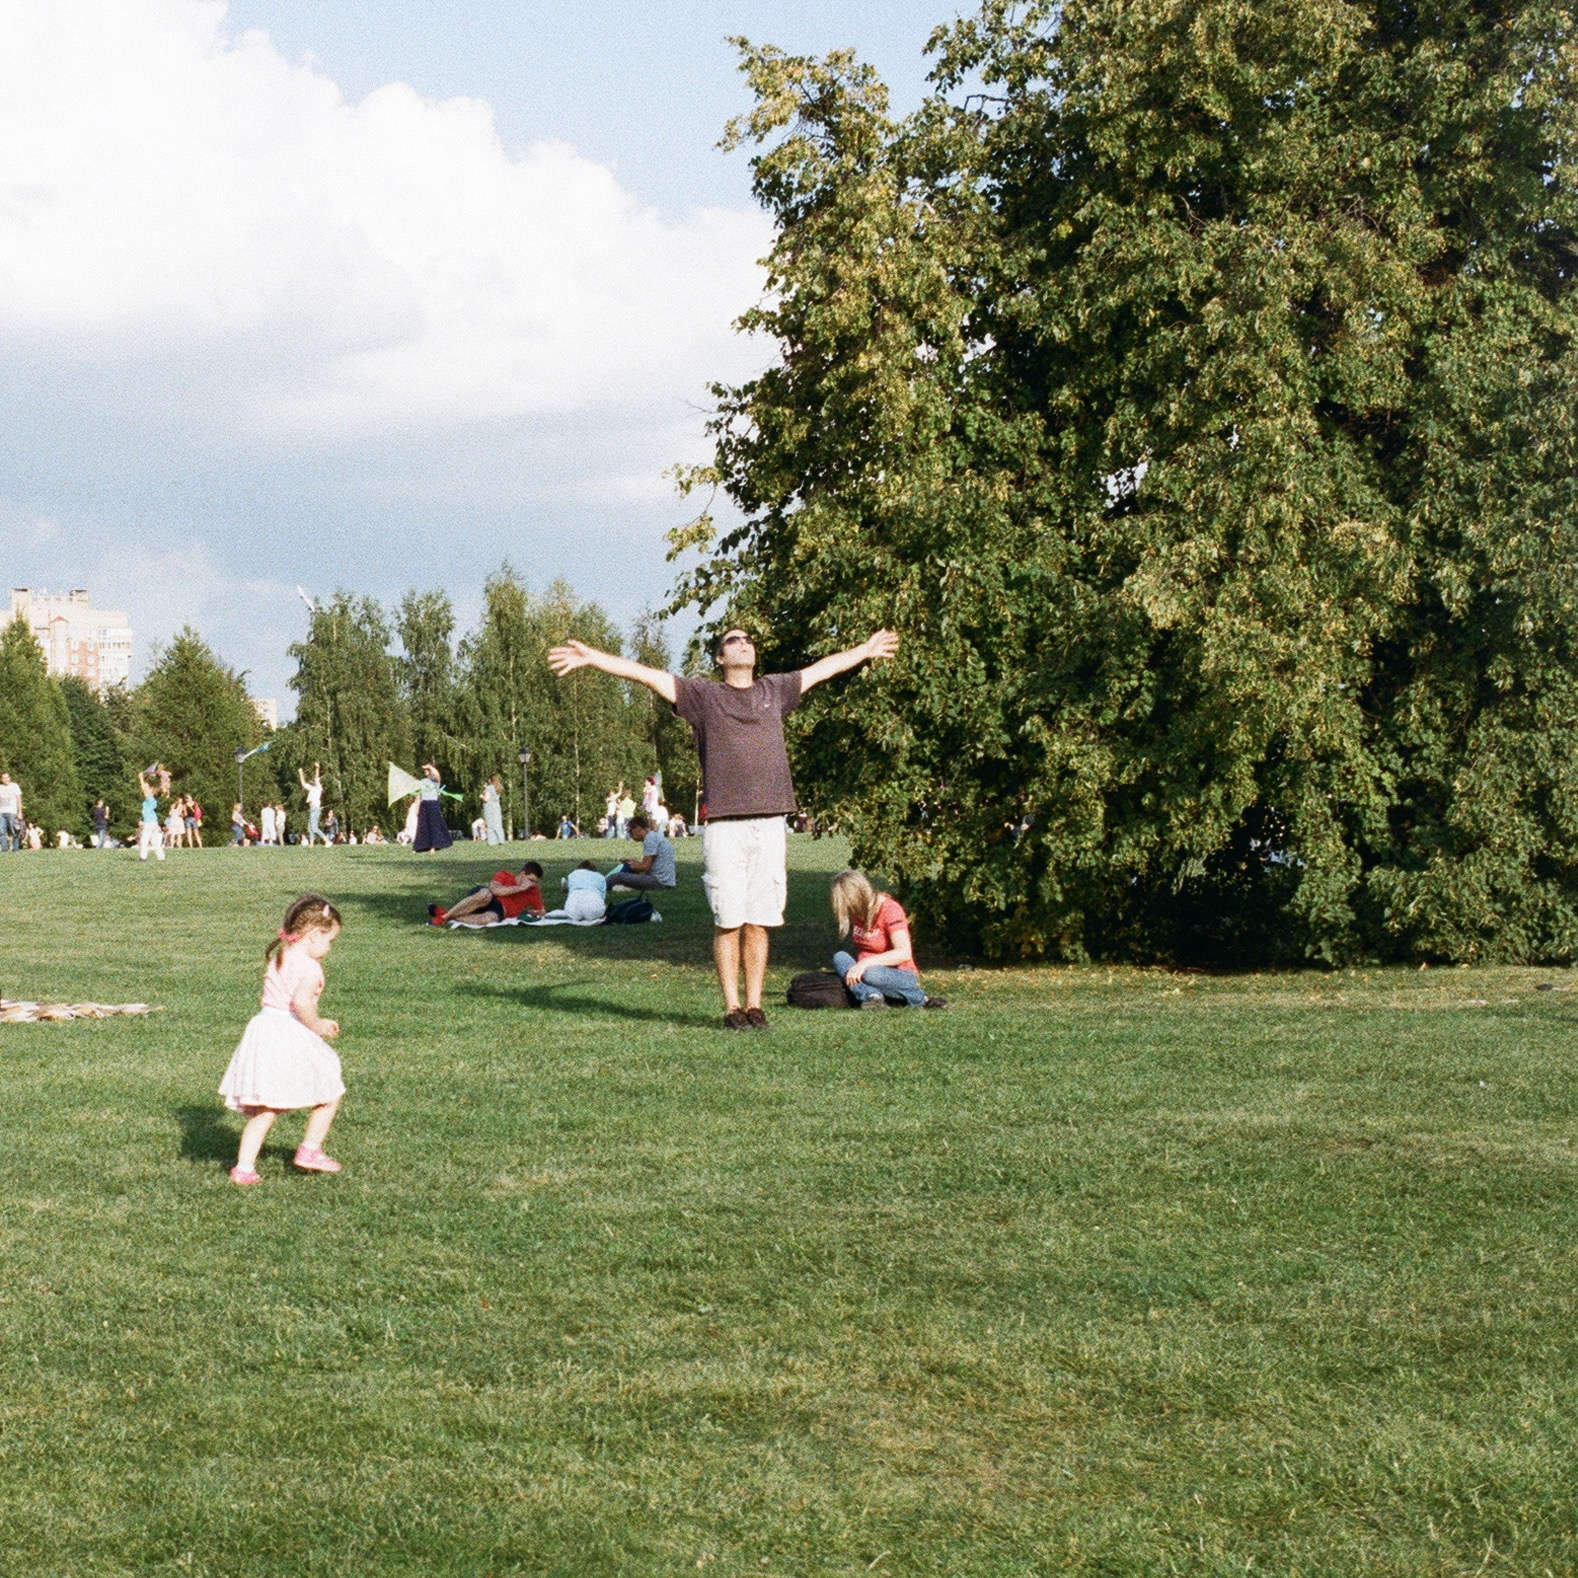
x=283, y=1063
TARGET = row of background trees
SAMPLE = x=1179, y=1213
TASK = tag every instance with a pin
x=372, y=686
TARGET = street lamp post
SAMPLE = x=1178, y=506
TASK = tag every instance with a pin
x=523, y=756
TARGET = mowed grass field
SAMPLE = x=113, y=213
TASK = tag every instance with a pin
x=1098, y=1271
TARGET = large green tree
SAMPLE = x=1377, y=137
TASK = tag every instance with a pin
x=499, y=698
x=665, y=734
x=98, y=747
x=1198, y=401
x=596, y=733
x=350, y=715
x=585, y=733
x=35, y=734
x=193, y=713
x=426, y=672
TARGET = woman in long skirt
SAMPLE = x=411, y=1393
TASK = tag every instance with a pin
x=492, y=818
x=431, y=830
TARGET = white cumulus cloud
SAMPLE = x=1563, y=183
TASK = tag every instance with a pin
x=171, y=192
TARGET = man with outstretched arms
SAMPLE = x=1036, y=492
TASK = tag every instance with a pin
x=739, y=727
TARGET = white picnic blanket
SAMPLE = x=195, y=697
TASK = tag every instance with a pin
x=24, y=1013
x=552, y=918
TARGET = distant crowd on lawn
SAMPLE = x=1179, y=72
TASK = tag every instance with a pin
x=618, y=810
x=179, y=820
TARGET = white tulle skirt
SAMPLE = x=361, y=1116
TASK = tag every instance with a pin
x=280, y=1063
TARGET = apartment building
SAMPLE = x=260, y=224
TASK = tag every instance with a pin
x=95, y=644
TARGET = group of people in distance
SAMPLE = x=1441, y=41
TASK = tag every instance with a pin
x=17, y=833
x=284, y=1061
x=620, y=808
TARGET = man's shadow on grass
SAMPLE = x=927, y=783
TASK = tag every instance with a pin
x=563, y=997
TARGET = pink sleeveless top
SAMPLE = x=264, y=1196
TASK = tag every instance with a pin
x=285, y=979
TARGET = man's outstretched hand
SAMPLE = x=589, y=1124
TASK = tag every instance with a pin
x=571, y=656
x=881, y=645
x=577, y=654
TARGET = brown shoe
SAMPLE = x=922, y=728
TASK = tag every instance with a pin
x=756, y=1018
x=736, y=1019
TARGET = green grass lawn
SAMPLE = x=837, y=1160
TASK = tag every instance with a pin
x=1099, y=1271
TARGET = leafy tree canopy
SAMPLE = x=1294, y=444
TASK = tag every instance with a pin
x=351, y=719
x=1198, y=402
x=192, y=713
x=99, y=749
x=35, y=734
x=666, y=734
x=584, y=733
x=426, y=671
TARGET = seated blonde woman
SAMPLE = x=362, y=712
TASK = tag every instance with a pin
x=883, y=964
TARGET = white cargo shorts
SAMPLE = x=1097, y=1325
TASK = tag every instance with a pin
x=744, y=871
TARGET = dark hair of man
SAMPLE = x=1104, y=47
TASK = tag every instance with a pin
x=532, y=869
x=638, y=821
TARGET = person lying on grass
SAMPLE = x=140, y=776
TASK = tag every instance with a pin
x=883, y=963
x=502, y=899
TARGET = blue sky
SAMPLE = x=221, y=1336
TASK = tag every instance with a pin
x=371, y=296
x=645, y=89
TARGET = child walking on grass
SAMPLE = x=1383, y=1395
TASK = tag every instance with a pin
x=283, y=1063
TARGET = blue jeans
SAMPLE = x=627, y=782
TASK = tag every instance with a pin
x=10, y=832
x=313, y=832
x=881, y=980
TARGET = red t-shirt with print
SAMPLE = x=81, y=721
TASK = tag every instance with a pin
x=876, y=938
x=513, y=903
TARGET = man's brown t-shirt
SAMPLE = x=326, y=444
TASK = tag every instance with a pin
x=740, y=738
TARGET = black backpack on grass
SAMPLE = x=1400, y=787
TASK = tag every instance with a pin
x=630, y=911
x=818, y=989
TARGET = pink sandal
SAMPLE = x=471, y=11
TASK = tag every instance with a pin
x=311, y=1159
x=244, y=1176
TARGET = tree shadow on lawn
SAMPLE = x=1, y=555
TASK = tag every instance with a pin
x=563, y=997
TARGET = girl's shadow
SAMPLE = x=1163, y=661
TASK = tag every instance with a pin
x=208, y=1134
